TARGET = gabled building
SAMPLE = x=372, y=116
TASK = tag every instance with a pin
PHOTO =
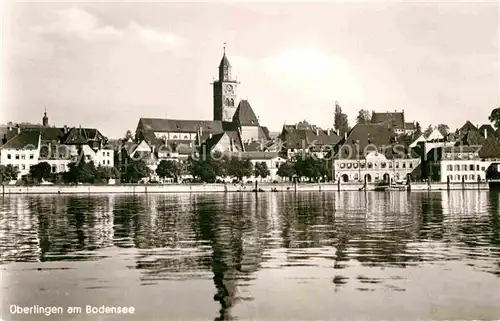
x=396, y=120
x=306, y=138
x=487, y=130
x=371, y=152
x=58, y=146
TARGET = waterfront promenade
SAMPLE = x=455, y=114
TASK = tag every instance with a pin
x=211, y=188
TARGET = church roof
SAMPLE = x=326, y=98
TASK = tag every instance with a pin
x=178, y=125
x=244, y=114
x=224, y=61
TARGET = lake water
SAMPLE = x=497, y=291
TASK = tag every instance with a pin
x=271, y=256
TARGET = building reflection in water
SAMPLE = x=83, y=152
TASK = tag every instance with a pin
x=47, y=227
x=229, y=237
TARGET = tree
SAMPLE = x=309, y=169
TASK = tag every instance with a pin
x=428, y=131
x=134, y=170
x=341, y=123
x=169, y=168
x=40, y=171
x=309, y=166
x=443, y=129
x=207, y=168
x=495, y=117
x=105, y=173
x=261, y=170
x=286, y=169
x=239, y=168
x=364, y=117
x=418, y=129
x=8, y=173
x=128, y=136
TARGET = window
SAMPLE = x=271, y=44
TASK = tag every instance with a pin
x=404, y=165
x=458, y=177
x=342, y=165
x=62, y=168
x=355, y=165
x=449, y=168
x=32, y=156
x=472, y=177
x=397, y=165
x=9, y=156
x=186, y=137
x=54, y=168
x=457, y=167
x=483, y=168
x=23, y=167
x=109, y=163
x=23, y=156
x=411, y=165
x=390, y=165
x=175, y=136
x=369, y=165
x=103, y=153
x=349, y=165
x=471, y=167
x=383, y=165
x=464, y=167
x=107, y=154
x=17, y=156
x=362, y=165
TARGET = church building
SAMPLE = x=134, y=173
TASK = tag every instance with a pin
x=231, y=116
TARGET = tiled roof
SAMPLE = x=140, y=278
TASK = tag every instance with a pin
x=397, y=119
x=178, y=125
x=266, y=132
x=410, y=126
x=490, y=148
x=467, y=127
x=488, y=128
x=363, y=138
x=472, y=137
x=294, y=136
x=244, y=115
x=26, y=139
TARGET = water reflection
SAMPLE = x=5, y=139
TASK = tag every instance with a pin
x=230, y=238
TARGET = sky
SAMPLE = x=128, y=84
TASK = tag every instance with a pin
x=106, y=64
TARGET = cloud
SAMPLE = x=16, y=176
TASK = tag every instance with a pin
x=76, y=22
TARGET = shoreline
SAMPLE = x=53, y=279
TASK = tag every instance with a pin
x=228, y=188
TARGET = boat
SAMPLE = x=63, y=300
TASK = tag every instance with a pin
x=397, y=188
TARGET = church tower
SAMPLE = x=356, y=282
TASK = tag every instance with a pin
x=225, y=92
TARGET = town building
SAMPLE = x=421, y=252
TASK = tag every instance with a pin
x=371, y=152
x=26, y=146
x=396, y=120
x=457, y=164
x=306, y=138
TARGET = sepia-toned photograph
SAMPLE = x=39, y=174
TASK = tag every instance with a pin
x=249, y=160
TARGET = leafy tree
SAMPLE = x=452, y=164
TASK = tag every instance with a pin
x=40, y=171
x=428, y=130
x=134, y=170
x=261, y=170
x=169, y=168
x=8, y=173
x=341, y=123
x=306, y=165
x=495, y=117
x=443, y=129
x=81, y=172
x=239, y=168
x=207, y=168
x=286, y=169
x=105, y=173
x=364, y=117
